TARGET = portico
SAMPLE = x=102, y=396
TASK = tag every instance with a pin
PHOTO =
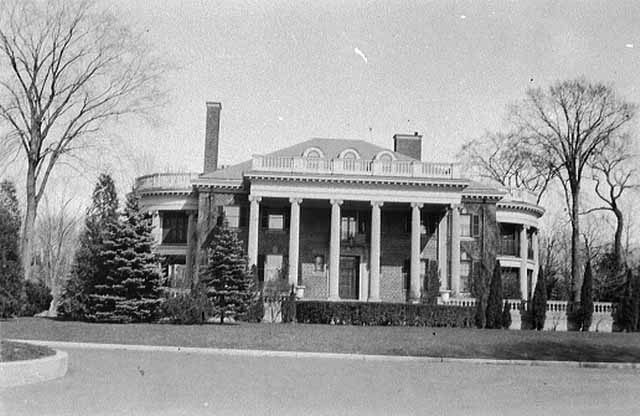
x=356, y=233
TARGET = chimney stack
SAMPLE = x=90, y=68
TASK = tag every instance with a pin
x=211, y=137
x=408, y=145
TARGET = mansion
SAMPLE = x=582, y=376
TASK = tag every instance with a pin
x=347, y=220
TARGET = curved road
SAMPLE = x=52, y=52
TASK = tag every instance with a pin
x=165, y=383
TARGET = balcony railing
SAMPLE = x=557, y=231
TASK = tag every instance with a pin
x=403, y=168
x=160, y=181
x=520, y=195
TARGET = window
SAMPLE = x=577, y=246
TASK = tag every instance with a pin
x=273, y=266
x=465, y=272
x=174, y=227
x=274, y=219
x=469, y=225
x=232, y=215
x=313, y=152
x=275, y=222
x=348, y=227
x=349, y=154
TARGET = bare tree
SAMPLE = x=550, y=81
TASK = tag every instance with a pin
x=57, y=232
x=614, y=172
x=499, y=158
x=66, y=69
x=566, y=126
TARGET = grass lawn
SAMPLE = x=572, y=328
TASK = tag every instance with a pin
x=17, y=351
x=415, y=341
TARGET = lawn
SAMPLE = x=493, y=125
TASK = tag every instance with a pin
x=17, y=351
x=414, y=341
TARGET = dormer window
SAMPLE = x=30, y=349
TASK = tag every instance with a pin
x=385, y=156
x=349, y=154
x=313, y=153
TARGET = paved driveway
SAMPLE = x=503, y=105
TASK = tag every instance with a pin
x=165, y=383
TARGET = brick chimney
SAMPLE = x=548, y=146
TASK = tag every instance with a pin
x=408, y=145
x=211, y=137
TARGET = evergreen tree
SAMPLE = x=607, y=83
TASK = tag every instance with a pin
x=538, y=310
x=494, y=302
x=229, y=283
x=479, y=292
x=131, y=290
x=11, y=278
x=88, y=269
x=586, y=299
x=432, y=284
x=506, y=315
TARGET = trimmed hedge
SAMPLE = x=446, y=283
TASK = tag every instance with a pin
x=396, y=314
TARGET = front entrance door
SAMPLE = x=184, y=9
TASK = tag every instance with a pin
x=349, y=277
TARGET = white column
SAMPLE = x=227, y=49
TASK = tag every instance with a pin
x=523, y=262
x=156, y=222
x=455, y=249
x=294, y=241
x=334, y=250
x=254, y=223
x=414, y=278
x=536, y=259
x=374, y=273
x=442, y=252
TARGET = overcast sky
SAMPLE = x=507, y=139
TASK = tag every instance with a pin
x=289, y=71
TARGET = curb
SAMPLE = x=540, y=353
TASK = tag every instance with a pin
x=331, y=355
x=19, y=373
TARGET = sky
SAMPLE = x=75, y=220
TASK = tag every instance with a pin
x=286, y=71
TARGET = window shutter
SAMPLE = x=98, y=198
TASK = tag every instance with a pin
x=476, y=225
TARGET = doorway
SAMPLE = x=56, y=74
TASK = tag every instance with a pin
x=349, y=286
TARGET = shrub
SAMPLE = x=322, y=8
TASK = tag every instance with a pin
x=186, y=308
x=432, y=285
x=625, y=316
x=539, y=304
x=494, y=301
x=506, y=315
x=586, y=300
x=288, y=308
x=73, y=301
x=10, y=289
x=37, y=298
x=360, y=313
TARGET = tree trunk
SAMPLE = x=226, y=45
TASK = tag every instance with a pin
x=575, y=240
x=617, y=243
x=28, y=228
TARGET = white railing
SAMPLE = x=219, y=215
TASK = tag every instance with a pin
x=404, y=168
x=552, y=305
x=165, y=181
x=520, y=195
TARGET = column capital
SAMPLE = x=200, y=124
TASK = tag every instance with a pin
x=296, y=201
x=377, y=203
x=525, y=227
x=456, y=206
x=417, y=205
x=255, y=198
x=336, y=201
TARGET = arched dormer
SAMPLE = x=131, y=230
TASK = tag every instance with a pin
x=350, y=153
x=385, y=156
x=313, y=152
